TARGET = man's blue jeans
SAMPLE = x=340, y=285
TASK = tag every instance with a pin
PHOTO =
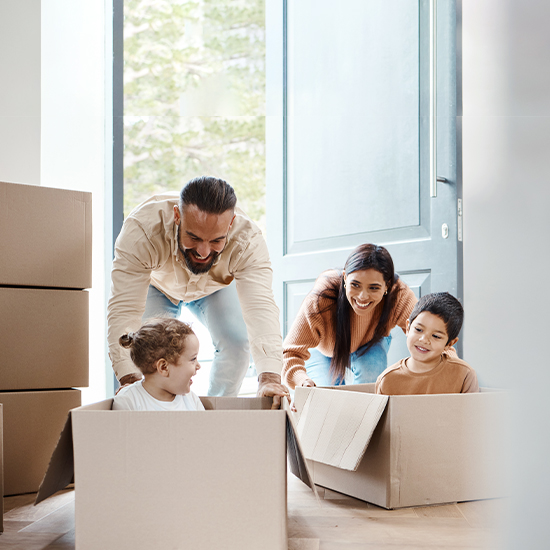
x=365, y=368
x=221, y=314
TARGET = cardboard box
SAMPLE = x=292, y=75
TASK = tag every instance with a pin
x=45, y=237
x=43, y=338
x=204, y=479
x=1, y=471
x=404, y=450
x=32, y=422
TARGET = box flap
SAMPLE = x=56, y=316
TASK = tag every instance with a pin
x=335, y=427
x=296, y=457
x=60, y=471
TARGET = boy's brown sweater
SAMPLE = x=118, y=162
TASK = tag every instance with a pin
x=452, y=375
x=312, y=329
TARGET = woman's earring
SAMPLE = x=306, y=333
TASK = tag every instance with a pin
x=385, y=292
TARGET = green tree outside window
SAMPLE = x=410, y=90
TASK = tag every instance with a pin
x=194, y=97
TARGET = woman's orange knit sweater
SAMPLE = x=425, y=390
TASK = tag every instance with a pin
x=312, y=329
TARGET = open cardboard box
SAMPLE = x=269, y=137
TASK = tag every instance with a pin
x=204, y=479
x=404, y=450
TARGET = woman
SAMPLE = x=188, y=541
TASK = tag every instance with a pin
x=347, y=318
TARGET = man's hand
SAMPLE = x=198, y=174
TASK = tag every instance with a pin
x=128, y=379
x=269, y=385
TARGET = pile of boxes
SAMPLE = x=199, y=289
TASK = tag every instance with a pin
x=45, y=269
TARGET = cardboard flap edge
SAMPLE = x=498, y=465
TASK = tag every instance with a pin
x=296, y=457
x=327, y=412
x=60, y=470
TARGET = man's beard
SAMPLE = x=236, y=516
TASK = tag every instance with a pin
x=195, y=268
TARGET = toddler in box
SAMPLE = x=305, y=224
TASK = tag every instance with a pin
x=165, y=351
x=432, y=330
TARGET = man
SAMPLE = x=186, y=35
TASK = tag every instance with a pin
x=188, y=250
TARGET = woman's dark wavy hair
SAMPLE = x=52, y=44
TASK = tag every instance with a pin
x=365, y=256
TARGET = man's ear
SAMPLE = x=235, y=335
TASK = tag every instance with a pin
x=232, y=220
x=177, y=214
x=451, y=343
x=344, y=274
x=407, y=327
x=162, y=367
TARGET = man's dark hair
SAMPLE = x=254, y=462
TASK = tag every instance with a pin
x=211, y=195
x=443, y=305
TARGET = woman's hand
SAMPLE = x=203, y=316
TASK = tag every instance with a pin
x=307, y=383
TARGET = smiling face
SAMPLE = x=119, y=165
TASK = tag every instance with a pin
x=427, y=339
x=180, y=374
x=202, y=236
x=364, y=290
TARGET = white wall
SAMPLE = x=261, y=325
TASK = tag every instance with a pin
x=74, y=129
x=20, y=91
x=506, y=163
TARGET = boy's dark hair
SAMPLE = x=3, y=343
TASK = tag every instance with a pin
x=209, y=194
x=443, y=305
x=156, y=339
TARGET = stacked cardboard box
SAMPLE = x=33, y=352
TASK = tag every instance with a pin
x=45, y=269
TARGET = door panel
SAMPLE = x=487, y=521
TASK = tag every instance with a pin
x=349, y=145
x=343, y=103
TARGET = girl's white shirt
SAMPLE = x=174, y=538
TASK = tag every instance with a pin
x=136, y=398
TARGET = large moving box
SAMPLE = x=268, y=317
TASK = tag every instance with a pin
x=43, y=338
x=404, y=450
x=32, y=422
x=46, y=237
x=1, y=472
x=204, y=479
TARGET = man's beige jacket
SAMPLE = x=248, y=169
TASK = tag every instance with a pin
x=146, y=252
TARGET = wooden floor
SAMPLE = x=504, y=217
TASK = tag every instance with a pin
x=335, y=522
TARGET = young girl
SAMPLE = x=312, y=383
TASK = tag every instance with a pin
x=347, y=317
x=165, y=351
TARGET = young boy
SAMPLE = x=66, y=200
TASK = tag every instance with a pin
x=432, y=330
x=165, y=351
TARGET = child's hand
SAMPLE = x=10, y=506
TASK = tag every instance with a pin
x=269, y=385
